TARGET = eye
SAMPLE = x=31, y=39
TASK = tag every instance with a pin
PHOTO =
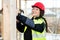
x=37, y=9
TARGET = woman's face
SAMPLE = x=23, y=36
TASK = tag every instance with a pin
x=35, y=12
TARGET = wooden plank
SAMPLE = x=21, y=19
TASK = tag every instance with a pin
x=6, y=19
x=12, y=19
x=18, y=7
x=9, y=19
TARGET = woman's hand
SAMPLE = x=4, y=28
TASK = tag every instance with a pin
x=17, y=21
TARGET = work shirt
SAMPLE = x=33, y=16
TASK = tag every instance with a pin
x=36, y=25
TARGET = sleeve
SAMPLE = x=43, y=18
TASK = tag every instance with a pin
x=20, y=27
x=39, y=27
x=30, y=23
x=36, y=27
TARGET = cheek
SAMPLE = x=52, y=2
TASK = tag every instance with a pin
x=37, y=12
x=34, y=12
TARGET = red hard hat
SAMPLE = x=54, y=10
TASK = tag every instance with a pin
x=39, y=5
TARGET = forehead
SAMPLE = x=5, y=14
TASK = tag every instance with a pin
x=35, y=7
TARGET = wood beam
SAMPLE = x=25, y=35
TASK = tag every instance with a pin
x=9, y=19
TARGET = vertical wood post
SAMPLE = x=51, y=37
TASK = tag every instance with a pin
x=9, y=19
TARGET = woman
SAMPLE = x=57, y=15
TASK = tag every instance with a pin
x=35, y=28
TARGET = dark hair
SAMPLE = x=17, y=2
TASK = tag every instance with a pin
x=46, y=24
x=41, y=13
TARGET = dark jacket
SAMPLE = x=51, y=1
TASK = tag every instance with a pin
x=30, y=25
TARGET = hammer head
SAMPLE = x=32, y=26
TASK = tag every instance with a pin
x=21, y=10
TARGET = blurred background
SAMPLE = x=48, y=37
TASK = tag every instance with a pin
x=52, y=15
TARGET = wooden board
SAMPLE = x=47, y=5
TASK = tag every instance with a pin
x=9, y=20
